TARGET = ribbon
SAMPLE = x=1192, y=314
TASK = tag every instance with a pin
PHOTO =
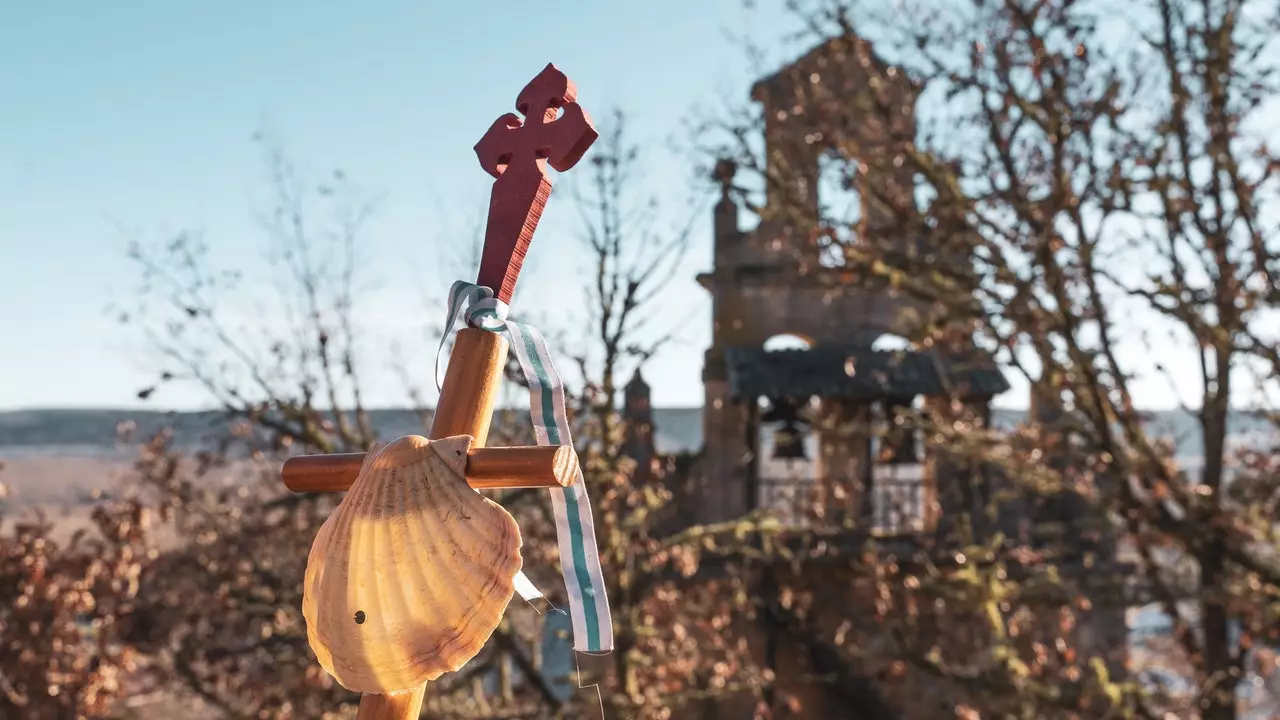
x=575, y=528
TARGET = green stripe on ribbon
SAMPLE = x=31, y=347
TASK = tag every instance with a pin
x=549, y=409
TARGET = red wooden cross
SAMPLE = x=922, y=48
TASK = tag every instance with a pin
x=517, y=154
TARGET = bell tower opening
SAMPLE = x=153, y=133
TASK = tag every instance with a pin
x=840, y=207
x=786, y=443
x=786, y=341
x=888, y=342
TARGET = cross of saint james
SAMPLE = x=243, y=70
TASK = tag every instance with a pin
x=556, y=132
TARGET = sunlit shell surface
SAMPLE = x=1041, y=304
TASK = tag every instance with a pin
x=410, y=575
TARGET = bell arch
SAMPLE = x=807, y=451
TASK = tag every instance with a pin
x=888, y=341
x=787, y=341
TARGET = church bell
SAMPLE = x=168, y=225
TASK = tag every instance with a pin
x=788, y=439
x=788, y=443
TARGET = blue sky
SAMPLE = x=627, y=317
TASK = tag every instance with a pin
x=134, y=121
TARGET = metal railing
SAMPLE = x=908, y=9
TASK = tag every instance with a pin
x=897, y=503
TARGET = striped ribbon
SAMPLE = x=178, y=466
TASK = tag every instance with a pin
x=575, y=528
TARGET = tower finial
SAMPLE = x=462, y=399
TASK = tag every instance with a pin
x=725, y=170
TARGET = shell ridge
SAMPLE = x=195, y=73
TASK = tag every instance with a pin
x=456, y=645
x=411, y=572
x=439, y=494
x=493, y=519
x=328, y=605
x=474, y=529
x=490, y=583
x=381, y=537
x=322, y=599
x=364, y=543
x=431, y=490
x=314, y=575
x=346, y=595
x=429, y=594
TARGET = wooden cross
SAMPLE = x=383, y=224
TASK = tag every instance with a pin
x=517, y=154
x=555, y=131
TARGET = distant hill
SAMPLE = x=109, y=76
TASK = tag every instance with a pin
x=677, y=429
x=92, y=432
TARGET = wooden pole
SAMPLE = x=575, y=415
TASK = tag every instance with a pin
x=467, y=398
x=555, y=132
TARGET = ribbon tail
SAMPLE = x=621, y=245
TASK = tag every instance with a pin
x=579, y=555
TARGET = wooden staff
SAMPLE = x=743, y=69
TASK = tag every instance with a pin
x=516, y=153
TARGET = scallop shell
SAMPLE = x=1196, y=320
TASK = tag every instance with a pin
x=410, y=575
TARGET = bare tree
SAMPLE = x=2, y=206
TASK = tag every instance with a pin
x=289, y=362
x=1087, y=198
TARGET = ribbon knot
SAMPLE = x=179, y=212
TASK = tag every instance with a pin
x=480, y=308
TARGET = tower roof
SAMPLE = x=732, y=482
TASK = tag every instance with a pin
x=858, y=373
x=840, y=48
x=636, y=383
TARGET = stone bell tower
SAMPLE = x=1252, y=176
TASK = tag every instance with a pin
x=772, y=280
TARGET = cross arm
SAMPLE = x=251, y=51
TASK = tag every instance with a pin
x=487, y=469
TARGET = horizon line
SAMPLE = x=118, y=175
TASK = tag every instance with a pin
x=158, y=410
